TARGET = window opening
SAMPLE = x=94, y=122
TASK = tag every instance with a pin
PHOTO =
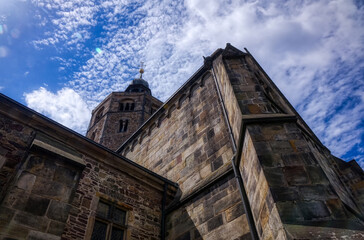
x=93, y=135
x=123, y=125
x=110, y=222
x=99, y=114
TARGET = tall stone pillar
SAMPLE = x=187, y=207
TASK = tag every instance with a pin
x=293, y=190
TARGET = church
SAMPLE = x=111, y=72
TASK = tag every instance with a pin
x=226, y=157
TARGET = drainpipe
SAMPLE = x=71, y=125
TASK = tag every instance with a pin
x=163, y=221
x=244, y=197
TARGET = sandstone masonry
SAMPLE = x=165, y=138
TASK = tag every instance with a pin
x=226, y=157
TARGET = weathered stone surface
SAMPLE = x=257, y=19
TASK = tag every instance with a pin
x=313, y=209
x=56, y=228
x=296, y=175
x=105, y=121
x=58, y=211
x=51, y=189
x=26, y=181
x=234, y=212
x=294, y=185
x=35, y=235
x=36, y=205
x=14, y=232
x=31, y=221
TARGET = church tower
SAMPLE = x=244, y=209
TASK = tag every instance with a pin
x=121, y=113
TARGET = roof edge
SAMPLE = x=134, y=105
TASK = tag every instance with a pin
x=65, y=132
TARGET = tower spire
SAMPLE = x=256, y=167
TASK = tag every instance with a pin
x=141, y=70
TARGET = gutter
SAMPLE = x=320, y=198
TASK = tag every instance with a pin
x=244, y=197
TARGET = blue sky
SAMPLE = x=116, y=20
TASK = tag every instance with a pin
x=313, y=51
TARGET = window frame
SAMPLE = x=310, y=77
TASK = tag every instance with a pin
x=123, y=125
x=127, y=105
x=109, y=219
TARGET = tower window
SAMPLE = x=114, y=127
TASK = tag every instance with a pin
x=123, y=125
x=110, y=222
x=93, y=135
x=127, y=106
x=99, y=114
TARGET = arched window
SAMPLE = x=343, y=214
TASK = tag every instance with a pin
x=128, y=105
x=123, y=125
x=99, y=114
x=93, y=135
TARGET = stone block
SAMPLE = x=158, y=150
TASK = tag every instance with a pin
x=58, y=211
x=262, y=148
x=313, y=209
x=309, y=158
x=336, y=208
x=234, y=212
x=296, y=175
x=281, y=147
x=275, y=177
x=282, y=194
x=41, y=167
x=316, y=175
x=184, y=236
x=37, y=205
x=56, y=228
x=32, y=221
x=26, y=181
x=215, y=222
x=264, y=216
x=289, y=212
x=316, y=192
x=292, y=159
x=254, y=109
x=66, y=176
x=15, y=231
x=35, y=235
x=291, y=128
x=206, y=214
x=226, y=202
x=270, y=160
x=6, y=214
x=51, y=189
x=216, y=163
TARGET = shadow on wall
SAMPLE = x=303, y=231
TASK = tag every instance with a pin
x=214, y=212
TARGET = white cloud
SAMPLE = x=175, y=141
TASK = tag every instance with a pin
x=313, y=51
x=65, y=107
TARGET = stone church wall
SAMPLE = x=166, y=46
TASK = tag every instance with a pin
x=37, y=204
x=217, y=213
x=287, y=173
x=103, y=181
x=52, y=187
x=189, y=144
x=15, y=140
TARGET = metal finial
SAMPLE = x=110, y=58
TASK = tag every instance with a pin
x=141, y=70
